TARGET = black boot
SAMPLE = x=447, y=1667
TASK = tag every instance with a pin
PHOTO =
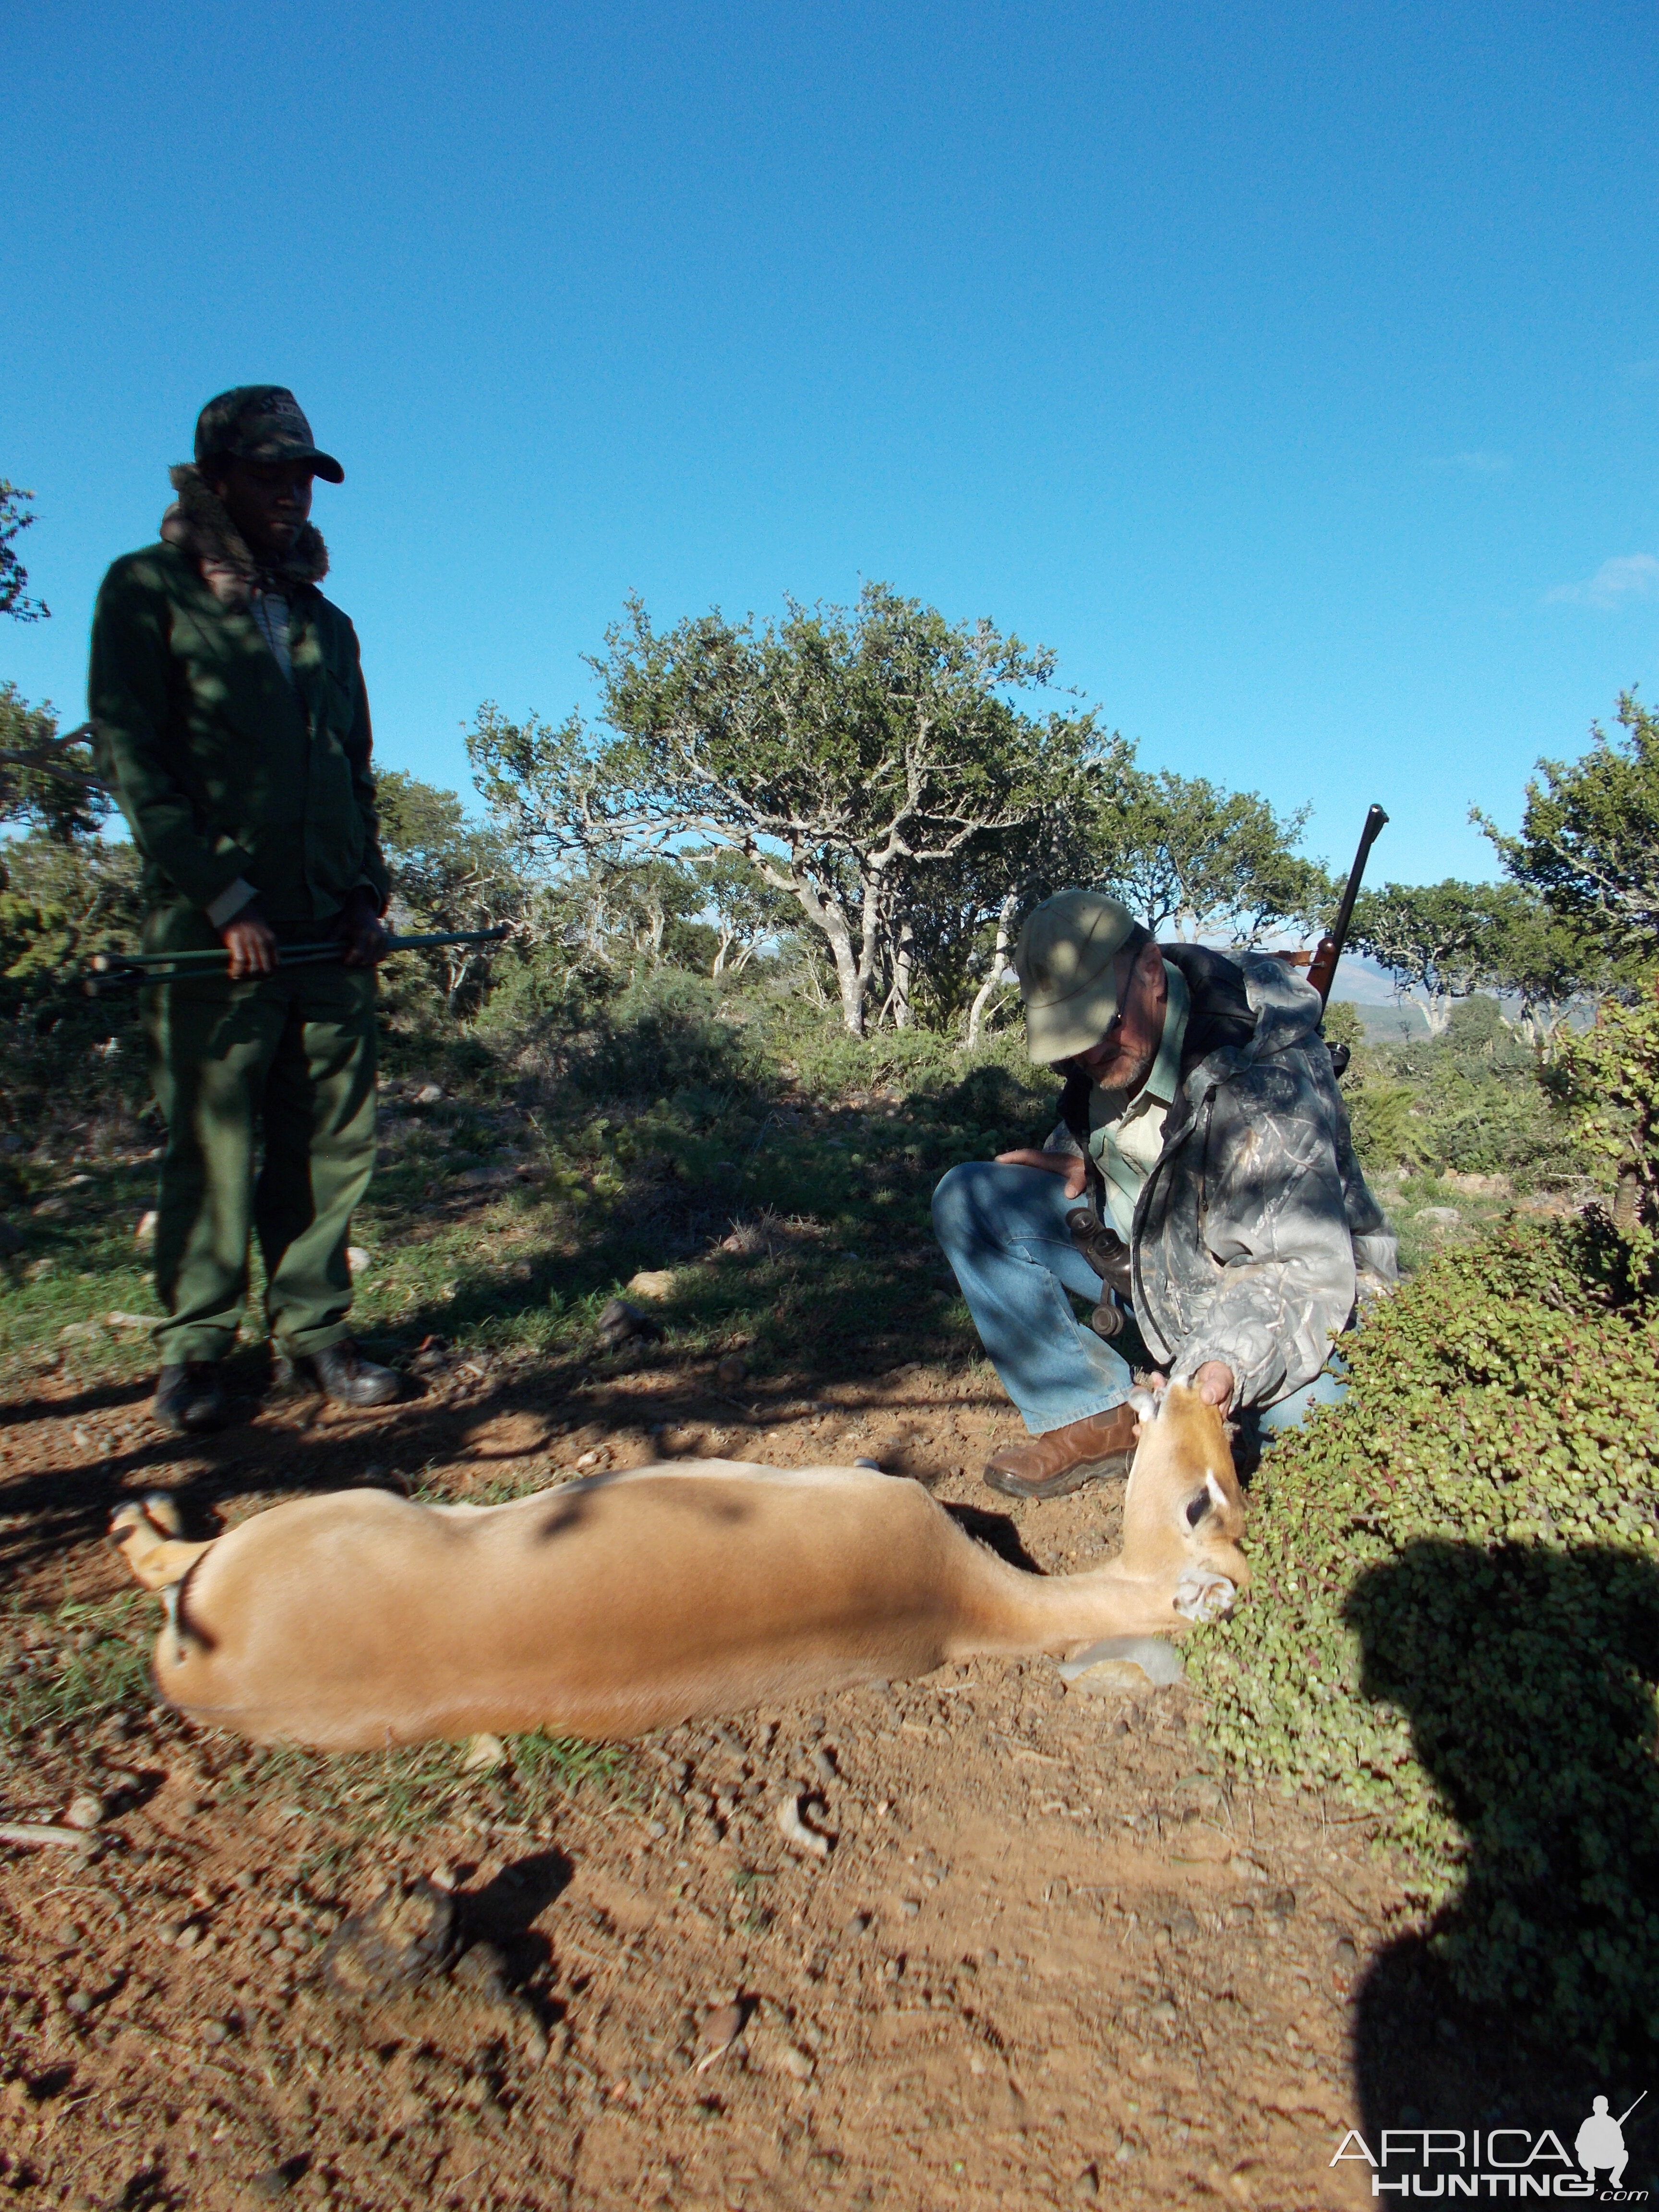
x=341, y=1372
x=188, y=1398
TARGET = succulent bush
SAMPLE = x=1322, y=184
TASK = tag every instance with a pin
x=1455, y=1625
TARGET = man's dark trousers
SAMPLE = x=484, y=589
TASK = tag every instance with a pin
x=294, y=1053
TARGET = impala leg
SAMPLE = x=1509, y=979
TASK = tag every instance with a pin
x=146, y=1533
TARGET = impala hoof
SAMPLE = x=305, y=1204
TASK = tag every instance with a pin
x=1205, y=1597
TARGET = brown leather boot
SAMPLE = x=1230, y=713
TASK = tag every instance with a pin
x=1063, y=1460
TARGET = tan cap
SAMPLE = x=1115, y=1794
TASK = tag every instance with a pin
x=1064, y=963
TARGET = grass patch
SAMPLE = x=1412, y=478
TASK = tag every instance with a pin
x=97, y=1662
x=404, y=1791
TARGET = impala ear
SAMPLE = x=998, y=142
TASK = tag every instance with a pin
x=1218, y=1495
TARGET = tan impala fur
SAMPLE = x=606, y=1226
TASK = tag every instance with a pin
x=619, y=1604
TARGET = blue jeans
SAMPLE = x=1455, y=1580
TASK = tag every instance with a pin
x=1003, y=1230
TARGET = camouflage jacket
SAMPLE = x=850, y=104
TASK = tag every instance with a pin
x=1255, y=1232
x=225, y=769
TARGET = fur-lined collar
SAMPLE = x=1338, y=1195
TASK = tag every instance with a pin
x=198, y=525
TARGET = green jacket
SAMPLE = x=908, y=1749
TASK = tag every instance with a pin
x=224, y=770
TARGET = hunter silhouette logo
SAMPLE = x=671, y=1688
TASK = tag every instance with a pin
x=1601, y=2141
x=1506, y=2162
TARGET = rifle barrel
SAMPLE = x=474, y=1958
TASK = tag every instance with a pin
x=1321, y=974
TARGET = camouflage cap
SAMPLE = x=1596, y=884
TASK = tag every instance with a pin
x=261, y=423
x=1065, y=962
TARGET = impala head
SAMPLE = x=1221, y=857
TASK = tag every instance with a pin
x=1183, y=1500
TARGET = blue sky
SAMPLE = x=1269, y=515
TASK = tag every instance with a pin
x=1292, y=371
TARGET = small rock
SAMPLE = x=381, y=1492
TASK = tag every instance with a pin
x=481, y=1970
x=1282, y=1901
x=795, y=1831
x=269, y=2185
x=120, y=1319
x=795, y=2063
x=1196, y=1843
x=1183, y=1924
x=651, y=1283
x=732, y=1371
x=77, y=2004
x=1345, y=1953
x=80, y=1332
x=590, y=1460
x=39, y=1271
x=909, y=1906
x=1086, y=2187
x=484, y=1753
x=1439, y=1217
x=85, y=1810
x=405, y=1936
x=1162, y=2014
x=145, y=1232
x=51, y=1209
x=619, y=1323
x=428, y=1095
x=215, y=2033
x=1121, y=1663
x=358, y=1261
x=719, y=2031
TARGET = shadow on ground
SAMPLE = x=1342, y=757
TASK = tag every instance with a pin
x=1527, y=1677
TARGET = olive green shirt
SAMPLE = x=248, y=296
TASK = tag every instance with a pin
x=226, y=770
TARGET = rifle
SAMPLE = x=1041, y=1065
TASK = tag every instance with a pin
x=121, y=972
x=1322, y=972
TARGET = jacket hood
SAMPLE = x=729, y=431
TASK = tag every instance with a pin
x=1287, y=1010
x=199, y=526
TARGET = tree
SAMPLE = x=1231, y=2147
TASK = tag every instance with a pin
x=1180, y=849
x=1544, y=962
x=850, y=755
x=1609, y=1080
x=1590, y=838
x=46, y=780
x=1436, y=938
x=15, y=519
x=745, y=908
x=446, y=872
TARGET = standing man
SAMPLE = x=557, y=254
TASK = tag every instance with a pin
x=1202, y=1176
x=233, y=727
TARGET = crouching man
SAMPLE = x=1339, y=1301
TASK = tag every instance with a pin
x=1202, y=1176
x=233, y=727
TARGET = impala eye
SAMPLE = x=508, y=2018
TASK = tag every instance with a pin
x=1197, y=1507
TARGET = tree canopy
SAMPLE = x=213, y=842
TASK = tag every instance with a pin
x=1590, y=838
x=46, y=780
x=848, y=754
x=15, y=519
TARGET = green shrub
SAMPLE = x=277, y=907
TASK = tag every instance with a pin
x=1608, y=1081
x=1454, y=1623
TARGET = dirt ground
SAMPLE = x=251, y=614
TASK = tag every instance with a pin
x=1051, y=1958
